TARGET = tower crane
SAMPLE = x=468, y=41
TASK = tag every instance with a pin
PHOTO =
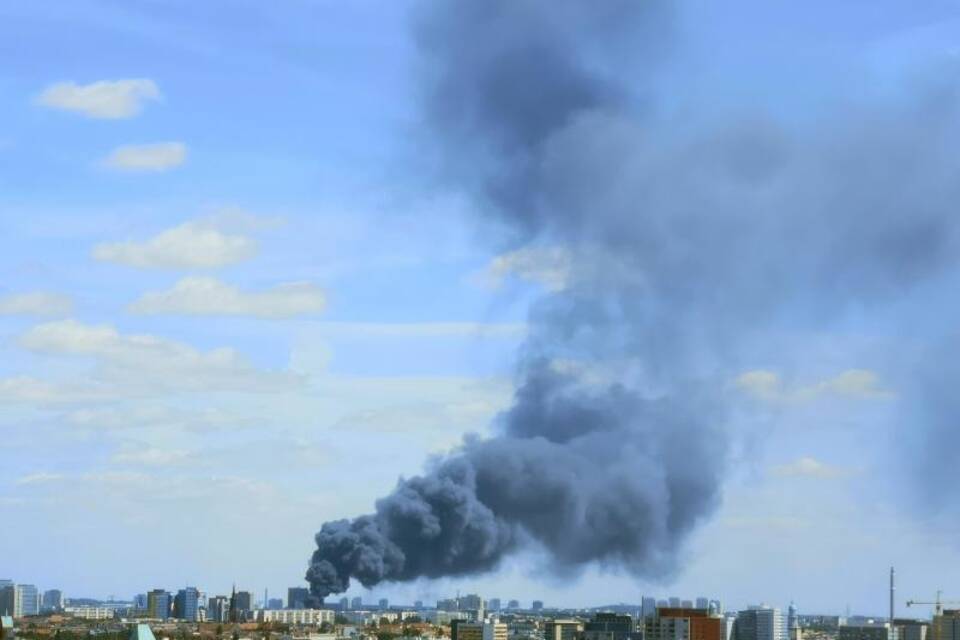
x=937, y=604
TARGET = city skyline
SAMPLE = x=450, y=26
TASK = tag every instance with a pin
x=557, y=304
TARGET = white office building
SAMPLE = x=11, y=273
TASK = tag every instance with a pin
x=760, y=623
x=296, y=616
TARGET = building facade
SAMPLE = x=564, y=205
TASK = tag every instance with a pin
x=52, y=600
x=304, y=617
x=297, y=597
x=186, y=604
x=159, y=604
x=562, y=629
x=610, y=626
x=759, y=623
x=683, y=624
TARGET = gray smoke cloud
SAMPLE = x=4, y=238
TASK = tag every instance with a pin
x=686, y=241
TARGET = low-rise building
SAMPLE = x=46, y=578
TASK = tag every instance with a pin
x=296, y=616
x=867, y=632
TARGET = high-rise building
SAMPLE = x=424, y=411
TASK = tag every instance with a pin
x=218, y=609
x=716, y=608
x=911, y=629
x=537, y=605
x=562, y=629
x=485, y=630
x=52, y=600
x=513, y=604
x=140, y=601
x=674, y=602
x=277, y=603
x=418, y=604
x=297, y=597
x=759, y=623
x=648, y=607
x=186, y=604
x=356, y=603
x=945, y=626
x=26, y=600
x=703, y=603
x=686, y=604
x=344, y=604
x=610, y=626
x=159, y=604
x=683, y=624
x=8, y=599
x=493, y=604
x=241, y=604
x=470, y=602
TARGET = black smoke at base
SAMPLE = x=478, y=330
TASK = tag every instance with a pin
x=606, y=477
x=684, y=246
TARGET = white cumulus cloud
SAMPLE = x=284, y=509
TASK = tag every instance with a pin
x=198, y=295
x=145, y=364
x=106, y=99
x=197, y=244
x=157, y=157
x=36, y=304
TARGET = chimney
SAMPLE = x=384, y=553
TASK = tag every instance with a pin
x=893, y=590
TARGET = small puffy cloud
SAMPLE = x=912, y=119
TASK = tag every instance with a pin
x=145, y=364
x=152, y=158
x=550, y=267
x=769, y=386
x=208, y=296
x=37, y=478
x=160, y=418
x=807, y=467
x=198, y=244
x=36, y=304
x=106, y=99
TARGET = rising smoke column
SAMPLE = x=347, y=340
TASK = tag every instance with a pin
x=684, y=243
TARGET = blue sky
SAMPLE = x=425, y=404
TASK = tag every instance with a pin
x=234, y=305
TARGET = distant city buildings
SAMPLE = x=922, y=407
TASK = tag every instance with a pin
x=648, y=607
x=52, y=601
x=867, y=632
x=218, y=609
x=494, y=604
x=484, y=630
x=296, y=616
x=759, y=623
x=186, y=604
x=610, y=626
x=355, y=603
x=537, y=605
x=159, y=604
x=684, y=623
x=297, y=597
x=562, y=629
x=513, y=604
x=384, y=604
x=946, y=626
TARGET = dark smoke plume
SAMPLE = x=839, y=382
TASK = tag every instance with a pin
x=684, y=243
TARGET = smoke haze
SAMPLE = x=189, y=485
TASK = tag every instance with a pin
x=687, y=238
